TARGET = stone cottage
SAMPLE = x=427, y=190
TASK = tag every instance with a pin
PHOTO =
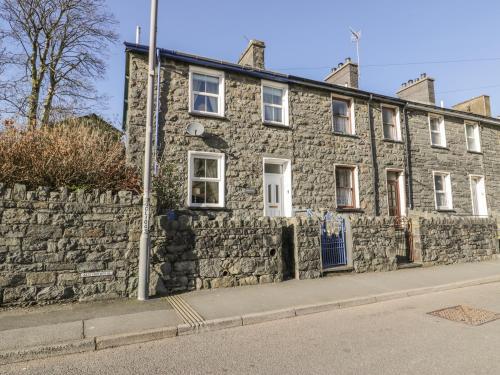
x=278, y=176
x=280, y=145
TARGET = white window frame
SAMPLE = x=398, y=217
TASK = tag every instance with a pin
x=355, y=169
x=220, y=171
x=471, y=177
x=352, y=117
x=221, y=97
x=284, y=102
x=477, y=135
x=398, y=122
x=442, y=129
x=448, y=192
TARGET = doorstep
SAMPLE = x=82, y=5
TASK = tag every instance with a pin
x=404, y=266
x=338, y=269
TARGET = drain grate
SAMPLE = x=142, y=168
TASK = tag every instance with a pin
x=466, y=314
x=186, y=312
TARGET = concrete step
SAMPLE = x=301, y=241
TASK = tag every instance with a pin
x=336, y=271
x=403, y=266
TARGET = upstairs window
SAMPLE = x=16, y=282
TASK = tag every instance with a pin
x=274, y=103
x=436, y=126
x=342, y=116
x=390, y=121
x=442, y=191
x=472, y=137
x=206, y=91
x=206, y=179
x=345, y=180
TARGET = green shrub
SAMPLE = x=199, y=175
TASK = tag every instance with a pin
x=165, y=187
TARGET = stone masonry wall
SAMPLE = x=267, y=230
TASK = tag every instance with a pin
x=66, y=246
x=374, y=244
x=194, y=254
x=307, y=248
x=308, y=143
x=53, y=242
x=456, y=240
x=454, y=159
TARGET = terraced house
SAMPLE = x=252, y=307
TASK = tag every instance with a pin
x=396, y=181
x=279, y=145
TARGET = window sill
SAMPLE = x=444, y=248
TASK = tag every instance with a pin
x=211, y=115
x=198, y=208
x=475, y=152
x=276, y=125
x=392, y=140
x=451, y=210
x=355, y=136
x=347, y=209
x=440, y=147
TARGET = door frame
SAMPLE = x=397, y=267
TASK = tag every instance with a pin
x=402, y=190
x=472, y=176
x=287, y=183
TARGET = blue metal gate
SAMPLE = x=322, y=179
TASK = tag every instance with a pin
x=333, y=242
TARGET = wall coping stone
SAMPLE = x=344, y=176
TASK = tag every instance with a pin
x=19, y=193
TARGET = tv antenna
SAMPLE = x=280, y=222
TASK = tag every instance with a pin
x=355, y=37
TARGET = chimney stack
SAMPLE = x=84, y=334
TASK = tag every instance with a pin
x=479, y=105
x=420, y=89
x=345, y=74
x=253, y=56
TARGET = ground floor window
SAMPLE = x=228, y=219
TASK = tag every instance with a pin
x=345, y=178
x=442, y=191
x=478, y=193
x=206, y=179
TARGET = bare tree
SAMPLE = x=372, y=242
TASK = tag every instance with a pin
x=58, y=51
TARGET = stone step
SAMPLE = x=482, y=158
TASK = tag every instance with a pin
x=337, y=271
x=402, y=266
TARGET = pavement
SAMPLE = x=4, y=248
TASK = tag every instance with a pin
x=388, y=338
x=63, y=329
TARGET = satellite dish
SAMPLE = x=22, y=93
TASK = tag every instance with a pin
x=195, y=129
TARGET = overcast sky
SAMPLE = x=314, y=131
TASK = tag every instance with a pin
x=400, y=40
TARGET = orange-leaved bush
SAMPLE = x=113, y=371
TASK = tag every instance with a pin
x=70, y=155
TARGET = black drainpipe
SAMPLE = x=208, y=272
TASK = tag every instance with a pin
x=408, y=172
x=374, y=159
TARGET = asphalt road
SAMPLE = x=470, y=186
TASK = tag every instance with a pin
x=395, y=337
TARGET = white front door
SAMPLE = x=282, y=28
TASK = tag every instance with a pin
x=478, y=196
x=273, y=189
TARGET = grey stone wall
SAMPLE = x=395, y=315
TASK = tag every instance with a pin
x=457, y=240
x=66, y=246
x=490, y=138
x=307, y=248
x=454, y=159
x=194, y=254
x=50, y=239
x=374, y=244
x=309, y=143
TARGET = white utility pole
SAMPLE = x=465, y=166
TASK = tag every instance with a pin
x=145, y=242
x=355, y=37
